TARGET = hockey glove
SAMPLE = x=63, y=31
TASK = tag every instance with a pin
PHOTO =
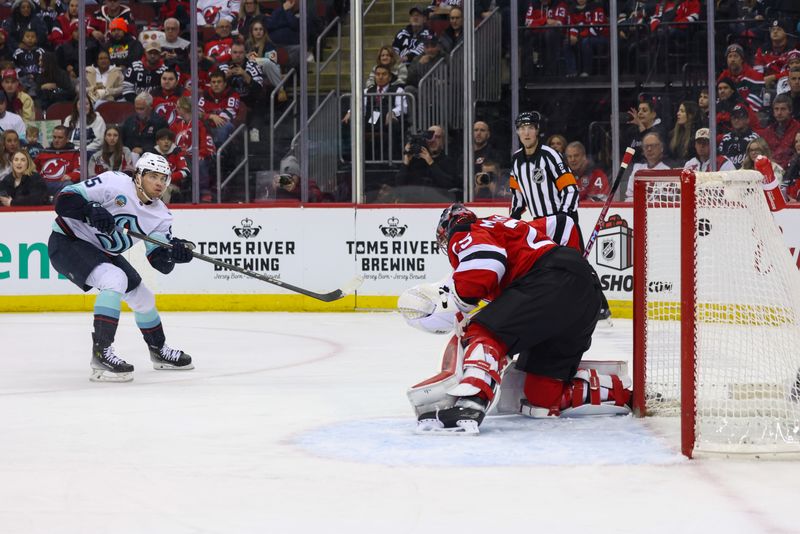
x=181, y=251
x=99, y=217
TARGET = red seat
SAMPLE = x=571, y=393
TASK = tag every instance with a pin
x=115, y=112
x=283, y=56
x=58, y=111
x=241, y=116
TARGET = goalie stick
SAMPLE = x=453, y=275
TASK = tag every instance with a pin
x=626, y=160
x=331, y=296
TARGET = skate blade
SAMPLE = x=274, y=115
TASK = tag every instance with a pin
x=170, y=367
x=101, y=375
x=435, y=427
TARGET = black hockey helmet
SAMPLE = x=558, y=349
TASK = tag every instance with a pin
x=451, y=216
x=528, y=117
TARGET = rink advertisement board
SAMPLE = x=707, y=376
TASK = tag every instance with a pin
x=318, y=248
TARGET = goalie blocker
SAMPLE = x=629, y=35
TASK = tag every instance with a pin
x=543, y=303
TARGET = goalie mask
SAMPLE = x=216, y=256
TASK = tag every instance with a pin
x=453, y=215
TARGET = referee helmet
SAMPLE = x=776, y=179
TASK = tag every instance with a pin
x=528, y=117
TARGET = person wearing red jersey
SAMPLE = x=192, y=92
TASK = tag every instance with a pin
x=165, y=146
x=219, y=105
x=749, y=82
x=592, y=181
x=547, y=42
x=65, y=25
x=183, y=138
x=543, y=305
x=59, y=165
x=218, y=48
x=586, y=40
x=771, y=59
x=165, y=98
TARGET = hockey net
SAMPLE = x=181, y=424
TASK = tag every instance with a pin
x=716, y=305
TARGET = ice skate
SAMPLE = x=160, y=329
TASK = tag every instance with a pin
x=108, y=367
x=166, y=358
x=462, y=419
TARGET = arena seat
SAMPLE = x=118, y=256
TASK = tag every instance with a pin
x=115, y=112
x=58, y=111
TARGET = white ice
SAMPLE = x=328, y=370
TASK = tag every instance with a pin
x=296, y=422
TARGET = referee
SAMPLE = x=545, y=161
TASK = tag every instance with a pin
x=540, y=180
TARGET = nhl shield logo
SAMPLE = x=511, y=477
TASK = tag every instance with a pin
x=246, y=230
x=393, y=228
x=608, y=250
x=538, y=176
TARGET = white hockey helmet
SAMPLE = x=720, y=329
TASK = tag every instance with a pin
x=150, y=162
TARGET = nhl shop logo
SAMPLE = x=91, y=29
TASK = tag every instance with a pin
x=393, y=228
x=247, y=230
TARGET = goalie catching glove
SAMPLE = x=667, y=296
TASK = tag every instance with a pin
x=434, y=308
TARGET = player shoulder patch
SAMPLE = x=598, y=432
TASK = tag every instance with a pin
x=120, y=200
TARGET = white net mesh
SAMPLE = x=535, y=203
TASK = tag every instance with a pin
x=747, y=303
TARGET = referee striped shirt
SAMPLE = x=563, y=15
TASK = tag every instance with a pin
x=542, y=183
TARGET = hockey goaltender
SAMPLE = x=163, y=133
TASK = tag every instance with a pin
x=543, y=303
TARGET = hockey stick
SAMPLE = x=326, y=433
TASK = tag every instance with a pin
x=626, y=160
x=331, y=296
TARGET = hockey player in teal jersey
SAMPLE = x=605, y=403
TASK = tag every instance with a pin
x=86, y=244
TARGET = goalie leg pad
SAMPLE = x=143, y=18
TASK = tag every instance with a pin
x=587, y=394
x=431, y=395
x=483, y=364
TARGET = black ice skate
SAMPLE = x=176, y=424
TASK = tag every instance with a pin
x=166, y=358
x=462, y=419
x=108, y=367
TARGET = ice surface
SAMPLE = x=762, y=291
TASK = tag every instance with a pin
x=299, y=423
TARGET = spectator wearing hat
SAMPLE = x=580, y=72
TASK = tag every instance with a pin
x=701, y=161
x=728, y=98
x=733, y=144
x=409, y=42
x=779, y=134
x=122, y=47
x=771, y=58
x=23, y=17
x=18, y=100
x=8, y=119
x=99, y=24
x=286, y=183
x=792, y=62
x=422, y=64
x=144, y=75
x=103, y=80
x=749, y=82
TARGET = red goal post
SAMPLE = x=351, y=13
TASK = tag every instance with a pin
x=716, y=313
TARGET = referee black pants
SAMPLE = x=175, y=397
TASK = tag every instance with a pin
x=548, y=316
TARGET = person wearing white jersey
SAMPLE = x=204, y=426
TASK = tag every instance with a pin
x=86, y=246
